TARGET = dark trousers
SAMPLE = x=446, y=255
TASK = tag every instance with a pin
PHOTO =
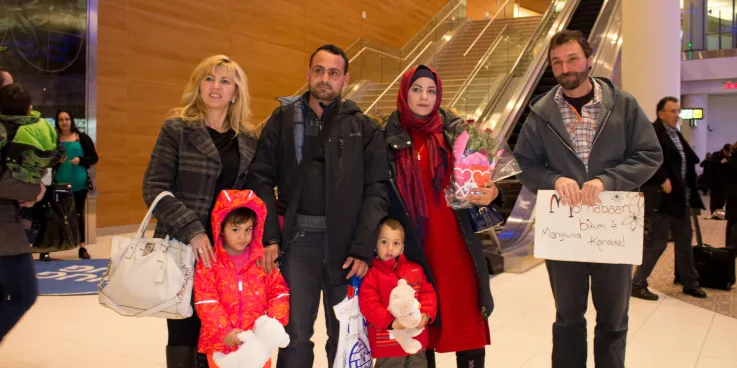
x=656, y=240
x=611, y=286
x=418, y=360
x=306, y=273
x=718, y=199
x=18, y=289
x=80, y=198
x=731, y=222
x=464, y=359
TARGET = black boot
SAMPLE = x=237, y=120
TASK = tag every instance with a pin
x=83, y=253
x=181, y=357
x=202, y=361
x=471, y=358
x=430, y=354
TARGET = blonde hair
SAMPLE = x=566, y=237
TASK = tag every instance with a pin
x=193, y=108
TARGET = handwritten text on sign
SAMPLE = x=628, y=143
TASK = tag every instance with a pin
x=610, y=232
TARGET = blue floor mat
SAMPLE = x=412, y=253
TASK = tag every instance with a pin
x=77, y=277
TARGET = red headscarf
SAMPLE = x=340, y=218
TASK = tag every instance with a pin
x=408, y=171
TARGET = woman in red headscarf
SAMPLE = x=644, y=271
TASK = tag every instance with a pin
x=420, y=136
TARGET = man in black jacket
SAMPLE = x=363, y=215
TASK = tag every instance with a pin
x=670, y=195
x=331, y=208
x=719, y=181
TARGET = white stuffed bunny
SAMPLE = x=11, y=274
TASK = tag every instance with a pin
x=406, y=309
x=255, y=351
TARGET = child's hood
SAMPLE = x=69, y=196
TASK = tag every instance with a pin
x=230, y=200
x=33, y=131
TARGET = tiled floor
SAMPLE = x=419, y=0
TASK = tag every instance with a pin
x=74, y=331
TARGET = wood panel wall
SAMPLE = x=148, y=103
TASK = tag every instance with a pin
x=147, y=49
x=477, y=9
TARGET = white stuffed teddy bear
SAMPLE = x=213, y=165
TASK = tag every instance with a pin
x=257, y=345
x=406, y=309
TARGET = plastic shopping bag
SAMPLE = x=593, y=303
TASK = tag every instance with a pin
x=353, y=345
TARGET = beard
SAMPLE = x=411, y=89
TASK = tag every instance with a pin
x=324, y=94
x=572, y=83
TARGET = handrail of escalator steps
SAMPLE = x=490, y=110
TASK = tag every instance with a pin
x=513, y=107
x=485, y=28
x=708, y=54
x=530, y=43
x=593, y=42
x=399, y=76
x=437, y=23
x=478, y=67
x=606, y=52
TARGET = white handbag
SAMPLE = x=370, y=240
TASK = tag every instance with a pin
x=149, y=277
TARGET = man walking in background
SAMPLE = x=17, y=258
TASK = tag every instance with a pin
x=674, y=194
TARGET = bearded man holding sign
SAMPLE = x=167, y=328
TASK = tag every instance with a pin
x=583, y=137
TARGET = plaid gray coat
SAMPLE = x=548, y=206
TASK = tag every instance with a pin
x=186, y=162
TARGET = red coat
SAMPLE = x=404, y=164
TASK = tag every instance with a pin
x=373, y=299
x=226, y=299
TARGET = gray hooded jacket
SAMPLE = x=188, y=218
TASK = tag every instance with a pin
x=624, y=155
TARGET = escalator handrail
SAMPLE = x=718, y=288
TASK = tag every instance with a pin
x=528, y=47
x=601, y=65
x=485, y=28
x=514, y=107
x=437, y=23
x=477, y=68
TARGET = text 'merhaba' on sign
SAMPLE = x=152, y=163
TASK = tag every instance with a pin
x=610, y=232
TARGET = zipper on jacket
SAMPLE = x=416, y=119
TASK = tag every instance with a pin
x=240, y=301
x=606, y=118
x=569, y=148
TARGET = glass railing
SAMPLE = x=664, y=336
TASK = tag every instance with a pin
x=485, y=79
x=439, y=29
x=522, y=76
x=606, y=39
x=714, y=30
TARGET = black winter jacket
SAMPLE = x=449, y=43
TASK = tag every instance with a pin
x=398, y=139
x=356, y=171
x=673, y=204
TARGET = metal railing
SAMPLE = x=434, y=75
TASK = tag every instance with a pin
x=477, y=68
x=432, y=26
x=504, y=6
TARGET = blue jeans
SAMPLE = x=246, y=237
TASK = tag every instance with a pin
x=18, y=289
x=306, y=274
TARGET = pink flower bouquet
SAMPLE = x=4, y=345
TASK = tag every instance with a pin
x=479, y=158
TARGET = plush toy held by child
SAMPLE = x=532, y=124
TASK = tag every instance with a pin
x=397, y=301
x=234, y=293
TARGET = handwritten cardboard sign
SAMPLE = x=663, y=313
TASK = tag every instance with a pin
x=610, y=232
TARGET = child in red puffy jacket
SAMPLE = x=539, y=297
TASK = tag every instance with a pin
x=235, y=291
x=387, y=269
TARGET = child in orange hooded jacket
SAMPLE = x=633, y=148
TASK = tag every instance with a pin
x=234, y=292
